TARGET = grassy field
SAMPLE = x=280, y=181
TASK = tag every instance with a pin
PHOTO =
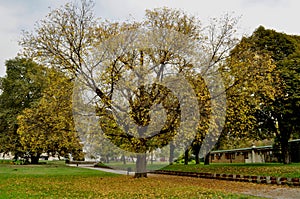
x=272, y=169
x=262, y=169
x=131, y=165
x=55, y=180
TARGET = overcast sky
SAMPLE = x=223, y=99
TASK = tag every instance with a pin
x=17, y=15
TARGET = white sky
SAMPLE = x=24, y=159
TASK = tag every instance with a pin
x=17, y=15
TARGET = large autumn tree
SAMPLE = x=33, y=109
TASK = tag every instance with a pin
x=280, y=115
x=102, y=54
x=266, y=107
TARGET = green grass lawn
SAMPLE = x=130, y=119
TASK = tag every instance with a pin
x=55, y=180
x=131, y=165
x=264, y=169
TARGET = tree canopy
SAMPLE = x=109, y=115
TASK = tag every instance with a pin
x=280, y=115
x=21, y=88
x=271, y=109
x=48, y=126
x=106, y=55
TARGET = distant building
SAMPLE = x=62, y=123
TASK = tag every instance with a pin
x=262, y=154
x=6, y=156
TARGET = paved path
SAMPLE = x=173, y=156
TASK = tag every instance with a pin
x=111, y=170
x=252, y=189
x=122, y=172
x=277, y=192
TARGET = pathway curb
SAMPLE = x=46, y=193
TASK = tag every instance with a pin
x=235, y=177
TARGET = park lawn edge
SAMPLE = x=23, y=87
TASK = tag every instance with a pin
x=48, y=181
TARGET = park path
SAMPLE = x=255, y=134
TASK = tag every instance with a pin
x=252, y=189
x=122, y=172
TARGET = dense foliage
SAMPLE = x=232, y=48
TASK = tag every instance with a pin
x=279, y=116
x=260, y=74
x=20, y=89
x=36, y=112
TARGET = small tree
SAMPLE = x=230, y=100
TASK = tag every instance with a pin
x=48, y=126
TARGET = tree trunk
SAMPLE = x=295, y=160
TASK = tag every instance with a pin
x=141, y=163
x=15, y=157
x=286, y=154
x=123, y=159
x=206, y=159
x=34, y=159
x=132, y=158
x=172, y=148
x=186, y=157
x=284, y=136
x=197, y=159
x=151, y=157
x=196, y=150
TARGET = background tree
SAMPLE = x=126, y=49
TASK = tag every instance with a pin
x=48, y=126
x=271, y=108
x=280, y=115
x=249, y=81
x=20, y=89
x=204, y=104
